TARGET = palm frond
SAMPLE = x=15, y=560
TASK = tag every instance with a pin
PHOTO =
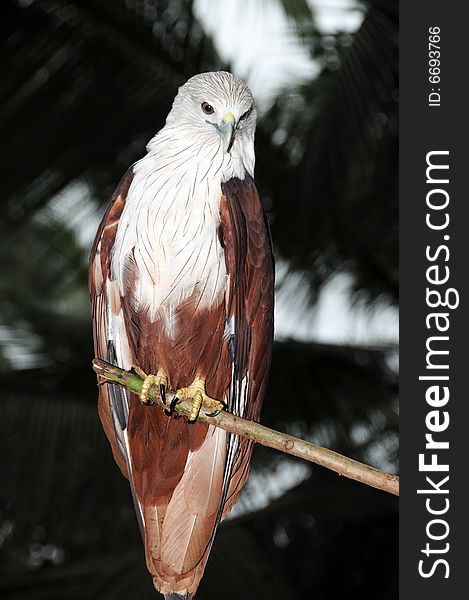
x=338, y=163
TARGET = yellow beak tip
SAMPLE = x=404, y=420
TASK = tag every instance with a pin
x=229, y=118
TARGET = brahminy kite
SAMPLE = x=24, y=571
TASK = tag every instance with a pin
x=181, y=284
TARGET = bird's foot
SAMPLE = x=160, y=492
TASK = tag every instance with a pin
x=196, y=393
x=160, y=380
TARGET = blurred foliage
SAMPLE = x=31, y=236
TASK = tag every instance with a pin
x=84, y=85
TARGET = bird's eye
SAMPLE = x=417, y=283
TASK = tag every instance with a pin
x=207, y=108
x=245, y=115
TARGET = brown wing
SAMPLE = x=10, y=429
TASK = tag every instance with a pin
x=110, y=340
x=250, y=301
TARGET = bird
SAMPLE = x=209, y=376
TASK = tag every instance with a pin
x=181, y=284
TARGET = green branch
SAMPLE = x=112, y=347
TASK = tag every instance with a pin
x=262, y=435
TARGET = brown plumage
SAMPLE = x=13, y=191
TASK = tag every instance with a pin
x=185, y=477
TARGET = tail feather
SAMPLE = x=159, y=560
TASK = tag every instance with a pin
x=185, y=596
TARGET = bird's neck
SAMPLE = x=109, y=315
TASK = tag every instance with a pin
x=184, y=149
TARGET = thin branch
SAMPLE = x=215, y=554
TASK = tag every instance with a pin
x=262, y=435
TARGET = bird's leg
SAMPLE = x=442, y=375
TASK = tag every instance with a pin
x=160, y=380
x=196, y=393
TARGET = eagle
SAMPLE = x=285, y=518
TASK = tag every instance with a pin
x=181, y=285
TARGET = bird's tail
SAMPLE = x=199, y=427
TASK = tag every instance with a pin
x=184, y=596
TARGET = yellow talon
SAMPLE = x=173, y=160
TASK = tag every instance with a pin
x=159, y=380
x=196, y=393
x=196, y=405
x=147, y=383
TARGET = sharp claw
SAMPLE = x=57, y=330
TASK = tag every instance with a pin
x=174, y=401
x=147, y=402
x=213, y=414
x=163, y=393
x=172, y=406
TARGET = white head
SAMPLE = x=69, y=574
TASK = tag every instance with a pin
x=215, y=110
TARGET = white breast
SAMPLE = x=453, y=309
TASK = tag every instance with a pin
x=170, y=221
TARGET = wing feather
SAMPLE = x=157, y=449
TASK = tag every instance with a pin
x=111, y=342
x=249, y=262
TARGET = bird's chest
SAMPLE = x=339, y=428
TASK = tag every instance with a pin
x=168, y=235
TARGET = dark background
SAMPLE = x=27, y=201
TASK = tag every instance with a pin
x=84, y=85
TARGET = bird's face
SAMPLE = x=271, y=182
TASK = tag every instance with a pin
x=229, y=119
x=217, y=109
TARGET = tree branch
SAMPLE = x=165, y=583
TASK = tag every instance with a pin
x=262, y=435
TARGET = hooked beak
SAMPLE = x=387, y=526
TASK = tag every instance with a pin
x=227, y=128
